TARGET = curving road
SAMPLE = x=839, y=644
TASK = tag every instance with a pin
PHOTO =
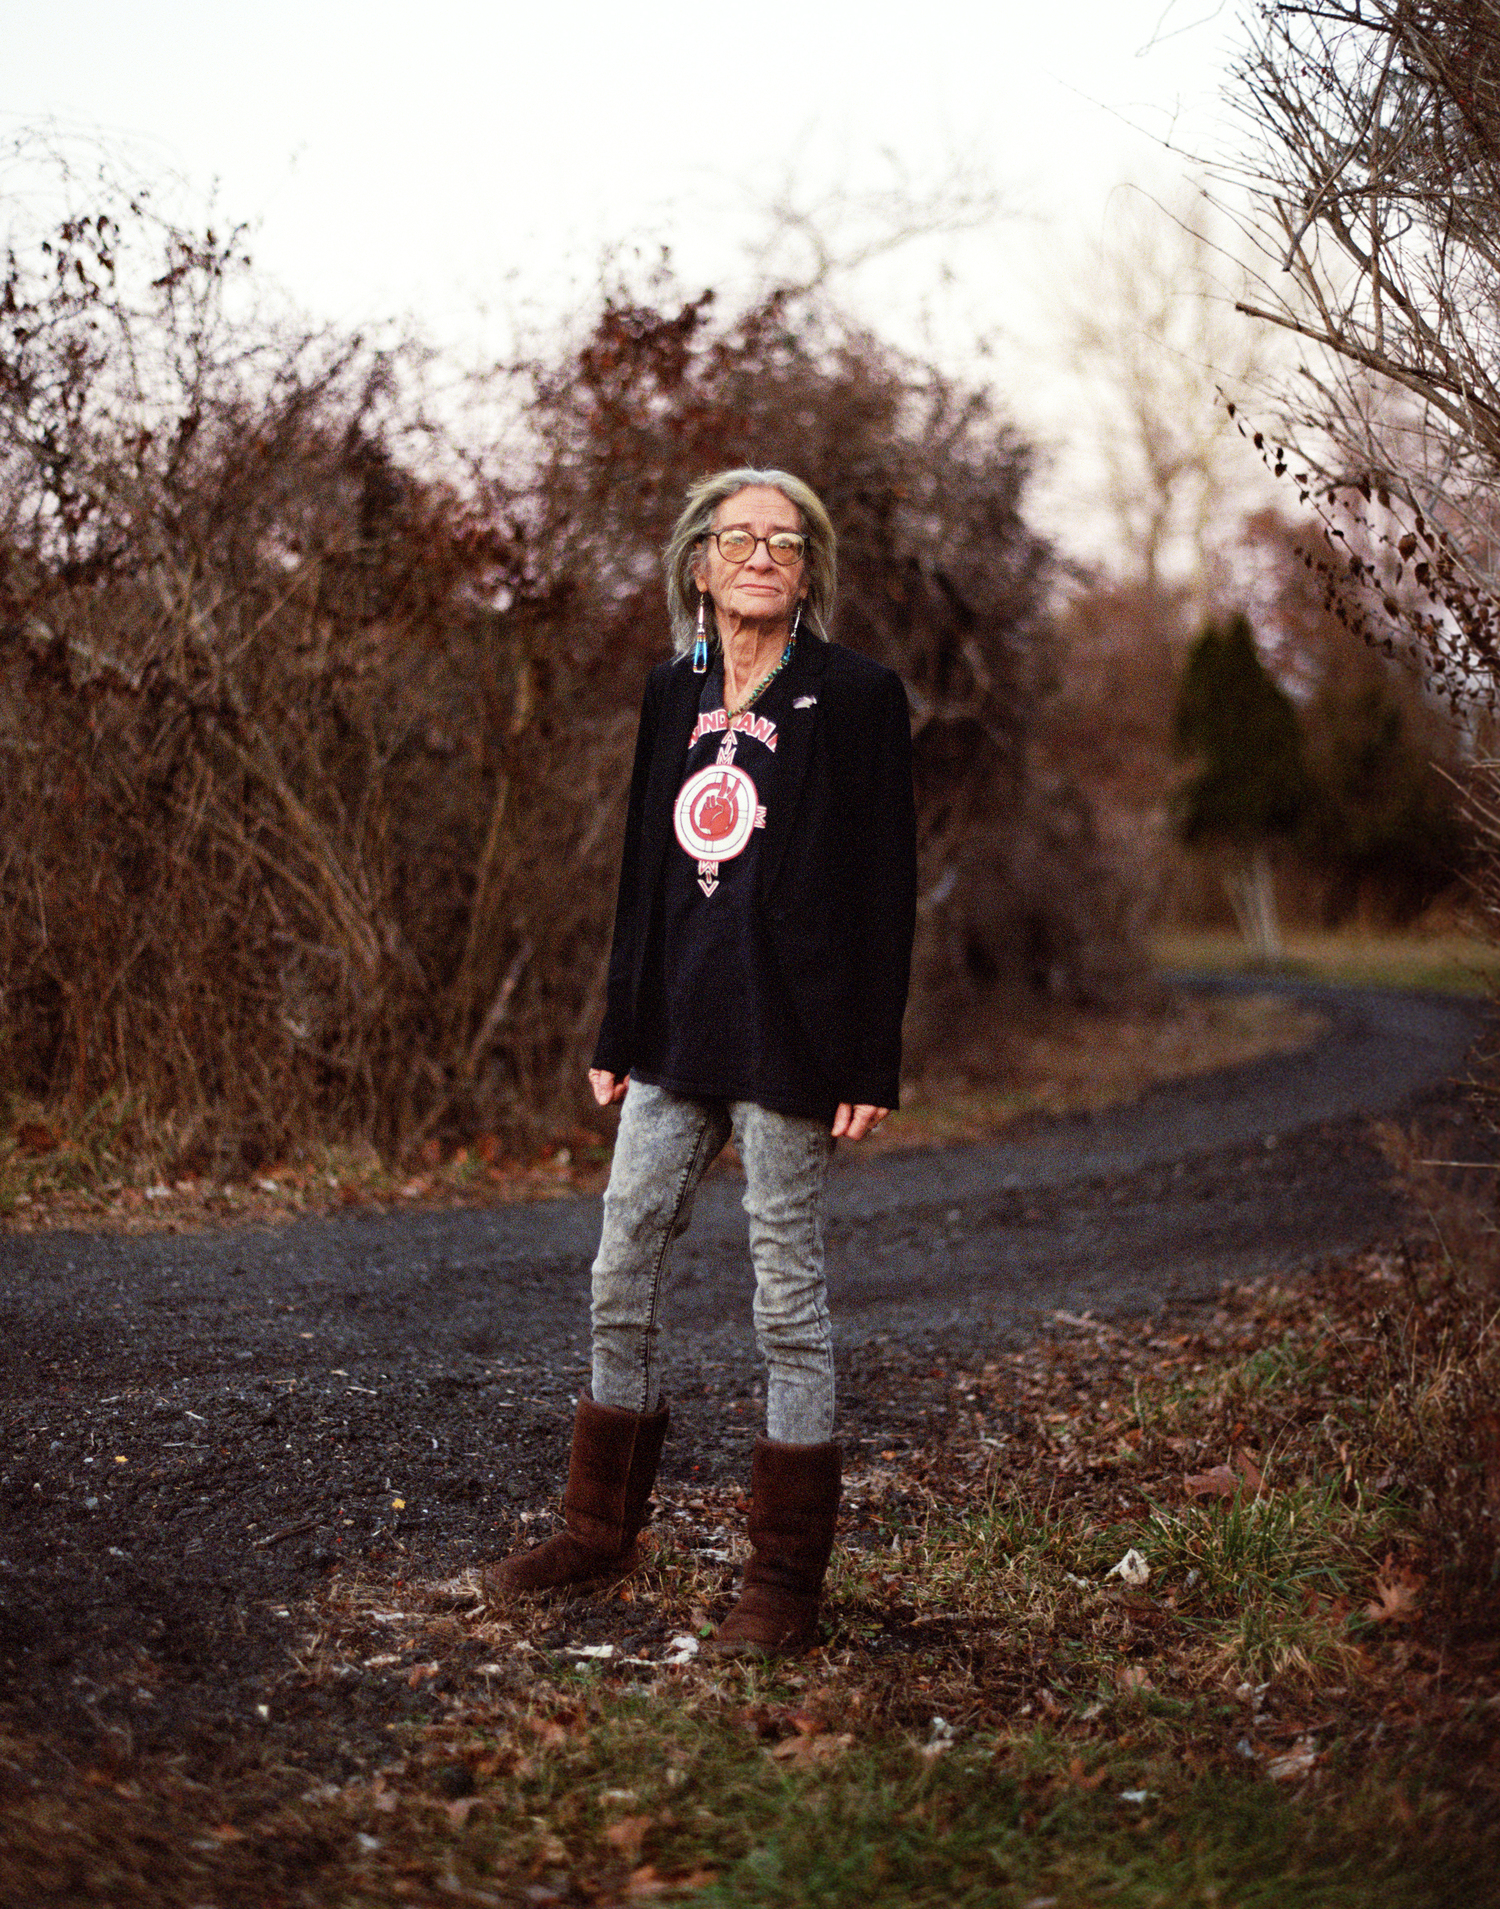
x=1269, y=1164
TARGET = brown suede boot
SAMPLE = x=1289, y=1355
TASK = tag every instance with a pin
x=611, y=1470
x=794, y=1502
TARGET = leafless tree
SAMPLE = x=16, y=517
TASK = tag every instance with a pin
x=1376, y=172
x=1147, y=327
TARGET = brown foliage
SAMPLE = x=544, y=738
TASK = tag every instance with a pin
x=316, y=734
x=1377, y=173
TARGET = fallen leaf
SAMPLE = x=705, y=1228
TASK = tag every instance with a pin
x=1397, y=1598
x=1133, y=1677
x=458, y=1813
x=420, y=1674
x=1296, y=1762
x=941, y=1736
x=1132, y=1570
x=645, y=1882
x=627, y=1833
x=1250, y=1471
x=1221, y=1482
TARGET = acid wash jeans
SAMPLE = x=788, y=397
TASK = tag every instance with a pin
x=665, y=1145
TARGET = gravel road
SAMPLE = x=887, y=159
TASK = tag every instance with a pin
x=197, y=1426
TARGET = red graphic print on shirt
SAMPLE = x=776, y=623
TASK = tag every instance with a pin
x=716, y=810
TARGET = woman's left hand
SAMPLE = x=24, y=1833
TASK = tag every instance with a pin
x=853, y=1123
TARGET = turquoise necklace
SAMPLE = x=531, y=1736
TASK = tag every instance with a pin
x=764, y=683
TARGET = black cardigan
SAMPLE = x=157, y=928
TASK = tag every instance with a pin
x=838, y=869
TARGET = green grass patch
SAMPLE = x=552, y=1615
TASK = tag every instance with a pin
x=697, y=1800
x=1446, y=963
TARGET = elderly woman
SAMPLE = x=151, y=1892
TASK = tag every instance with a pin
x=762, y=948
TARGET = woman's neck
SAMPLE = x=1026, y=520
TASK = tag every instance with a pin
x=750, y=653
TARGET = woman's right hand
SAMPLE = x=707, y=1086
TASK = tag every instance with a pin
x=607, y=1090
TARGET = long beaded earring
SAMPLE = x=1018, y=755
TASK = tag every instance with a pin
x=700, y=647
x=796, y=624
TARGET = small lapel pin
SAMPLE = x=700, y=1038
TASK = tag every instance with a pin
x=804, y=702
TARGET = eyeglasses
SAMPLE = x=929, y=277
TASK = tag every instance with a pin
x=738, y=546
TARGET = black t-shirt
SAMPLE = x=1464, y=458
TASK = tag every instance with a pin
x=716, y=1020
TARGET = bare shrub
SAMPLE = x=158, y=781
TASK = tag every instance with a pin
x=317, y=731
x=241, y=643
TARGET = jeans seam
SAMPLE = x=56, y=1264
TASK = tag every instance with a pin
x=668, y=1235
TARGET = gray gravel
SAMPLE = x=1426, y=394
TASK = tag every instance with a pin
x=1264, y=1165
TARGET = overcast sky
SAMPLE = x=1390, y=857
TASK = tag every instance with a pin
x=459, y=164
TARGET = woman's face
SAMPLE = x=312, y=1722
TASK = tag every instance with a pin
x=757, y=590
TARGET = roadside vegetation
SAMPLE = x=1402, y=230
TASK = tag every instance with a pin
x=1442, y=958
x=1158, y=1613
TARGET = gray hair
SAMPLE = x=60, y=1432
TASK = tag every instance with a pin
x=703, y=499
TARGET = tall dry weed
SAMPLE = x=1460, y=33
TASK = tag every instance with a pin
x=1436, y=1422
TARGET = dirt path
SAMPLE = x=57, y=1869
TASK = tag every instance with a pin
x=197, y=1427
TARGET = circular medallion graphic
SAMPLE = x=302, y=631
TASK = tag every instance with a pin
x=715, y=813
